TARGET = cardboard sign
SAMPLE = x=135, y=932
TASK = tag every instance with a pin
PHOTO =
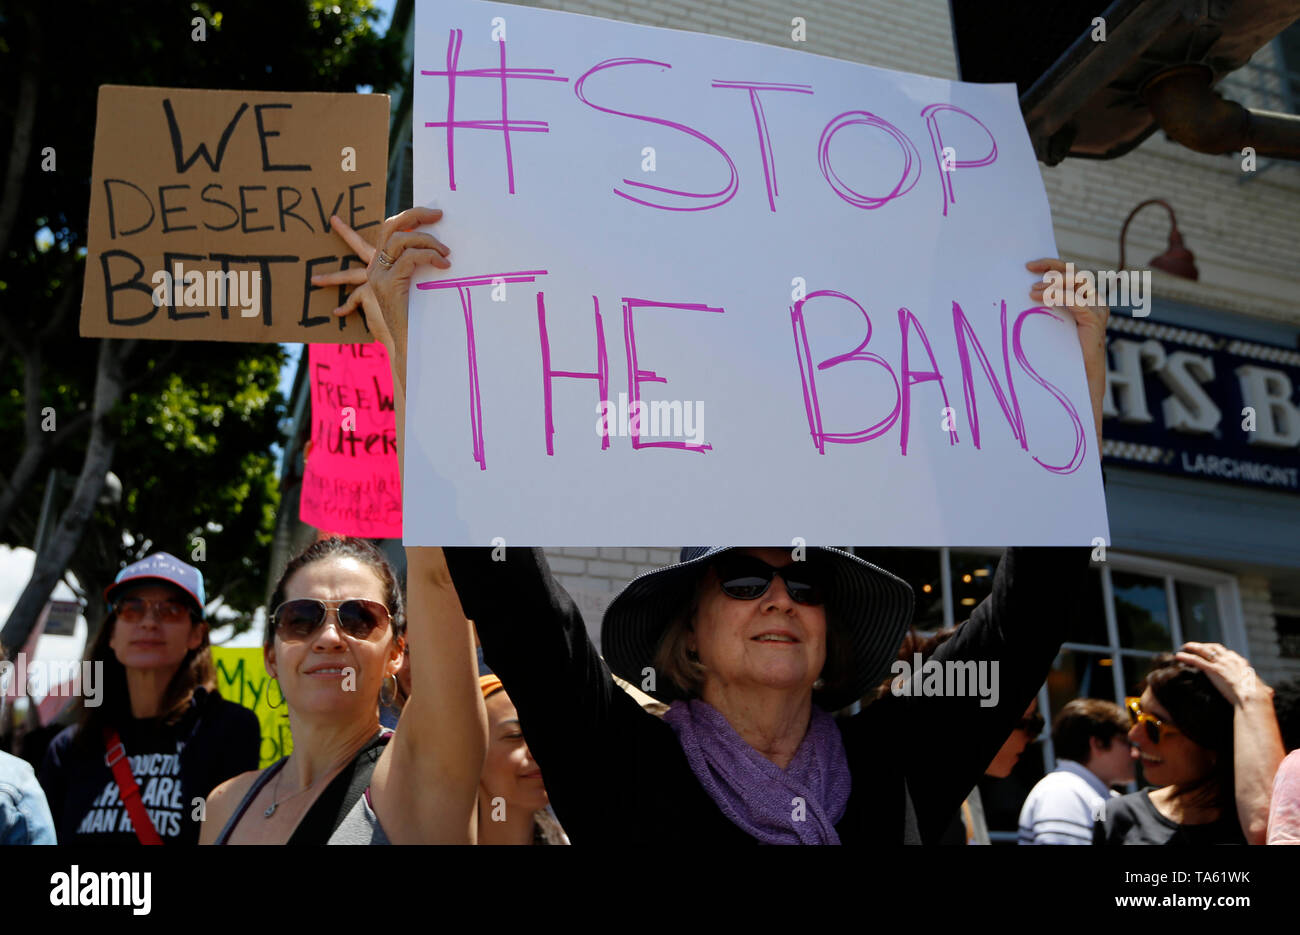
x=713, y=291
x=243, y=679
x=209, y=212
x=352, y=482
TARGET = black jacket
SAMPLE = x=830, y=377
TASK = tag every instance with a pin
x=616, y=773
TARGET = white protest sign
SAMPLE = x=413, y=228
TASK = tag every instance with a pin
x=807, y=276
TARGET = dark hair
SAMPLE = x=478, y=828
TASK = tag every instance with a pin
x=1083, y=719
x=1286, y=705
x=114, y=710
x=1204, y=716
x=364, y=551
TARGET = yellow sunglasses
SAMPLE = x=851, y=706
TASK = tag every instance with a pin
x=1152, y=723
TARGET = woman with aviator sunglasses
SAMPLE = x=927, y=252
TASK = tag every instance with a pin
x=1207, y=738
x=335, y=640
x=153, y=735
x=751, y=647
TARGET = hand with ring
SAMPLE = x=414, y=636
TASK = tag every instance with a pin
x=385, y=284
x=1230, y=673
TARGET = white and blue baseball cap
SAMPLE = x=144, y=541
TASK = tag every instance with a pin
x=161, y=566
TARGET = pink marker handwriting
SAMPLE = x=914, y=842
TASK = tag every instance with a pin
x=600, y=375
x=808, y=375
x=931, y=115
x=462, y=287
x=966, y=341
x=760, y=124
x=911, y=159
x=714, y=199
x=505, y=124
x=636, y=376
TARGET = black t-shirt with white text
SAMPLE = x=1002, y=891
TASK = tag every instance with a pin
x=172, y=764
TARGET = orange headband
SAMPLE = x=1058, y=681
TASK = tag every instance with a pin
x=489, y=684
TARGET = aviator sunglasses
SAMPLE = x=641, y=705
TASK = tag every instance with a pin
x=358, y=618
x=747, y=579
x=133, y=610
x=1152, y=723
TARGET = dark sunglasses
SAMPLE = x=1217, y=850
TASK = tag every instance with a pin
x=1032, y=725
x=1152, y=723
x=298, y=620
x=747, y=579
x=133, y=610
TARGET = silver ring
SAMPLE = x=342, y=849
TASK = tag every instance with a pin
x=384, y=259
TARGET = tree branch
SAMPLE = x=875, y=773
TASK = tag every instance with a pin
x=21, y=146
x=53, y=560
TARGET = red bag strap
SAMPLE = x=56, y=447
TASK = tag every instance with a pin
x=115, y=758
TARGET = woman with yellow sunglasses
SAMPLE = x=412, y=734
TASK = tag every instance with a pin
x=1207, y=738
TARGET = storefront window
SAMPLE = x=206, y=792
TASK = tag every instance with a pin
x=921, y=569
x=1141, y=612
x=1077, y=674
x=972, y=581
x=1198, y=613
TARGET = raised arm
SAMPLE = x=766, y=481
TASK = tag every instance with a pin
x=532, y=634
x=1257, y=750
x=425, y=785
x=1009, y=641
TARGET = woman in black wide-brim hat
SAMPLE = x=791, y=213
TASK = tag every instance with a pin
x=752, y=649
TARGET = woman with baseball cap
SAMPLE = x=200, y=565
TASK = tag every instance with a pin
x=153, y=737
x=751, y=648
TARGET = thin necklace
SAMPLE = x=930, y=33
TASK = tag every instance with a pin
x=276, y=803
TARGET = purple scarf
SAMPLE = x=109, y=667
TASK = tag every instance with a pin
x=796, y=805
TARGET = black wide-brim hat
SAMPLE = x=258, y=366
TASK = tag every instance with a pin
x=870, y=607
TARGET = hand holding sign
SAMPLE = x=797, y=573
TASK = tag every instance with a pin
x=1091, y=322
x=385, y=284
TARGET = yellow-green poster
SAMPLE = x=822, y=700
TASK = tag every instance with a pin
x=242, y=678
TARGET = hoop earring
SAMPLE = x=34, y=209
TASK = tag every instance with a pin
x=392, y=697
x=268, y=696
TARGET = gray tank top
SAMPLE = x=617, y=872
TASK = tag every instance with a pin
x=360, y=825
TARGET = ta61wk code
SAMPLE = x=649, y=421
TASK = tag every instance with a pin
x=1181, y=876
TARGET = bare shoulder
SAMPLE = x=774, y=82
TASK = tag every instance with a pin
x=222, y=802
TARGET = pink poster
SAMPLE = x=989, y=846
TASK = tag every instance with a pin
x=352, y=485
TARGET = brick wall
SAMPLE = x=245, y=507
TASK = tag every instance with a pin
x=593, y=576
x=1261, y=631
